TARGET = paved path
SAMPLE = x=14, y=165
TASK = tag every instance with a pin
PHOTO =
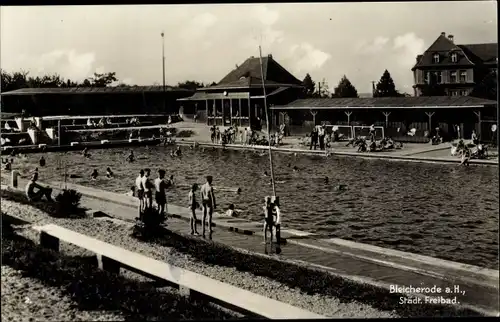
x=365, y=263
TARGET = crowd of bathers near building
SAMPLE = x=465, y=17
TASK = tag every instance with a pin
x=246, y=136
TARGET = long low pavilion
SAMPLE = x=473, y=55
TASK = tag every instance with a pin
x=423, y=113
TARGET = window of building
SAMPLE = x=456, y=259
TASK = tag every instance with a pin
x=427, y=77
x=454, y=57
x=464, y=93
x=438, y=77
x=453, y=77
x=436, y=58
x=463, y=76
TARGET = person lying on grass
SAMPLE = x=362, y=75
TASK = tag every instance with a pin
x=33, y=195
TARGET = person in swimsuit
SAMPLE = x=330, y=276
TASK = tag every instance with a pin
x=193, y=205
x=208, y=201
x=42, y=191
x=109, y=173
x=94, y=175
x=131, y=157
x=161, y=190
x=268, y=218
x=42, y=161
x=140, y=190
x=148, y=189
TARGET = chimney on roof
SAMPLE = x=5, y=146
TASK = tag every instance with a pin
x=418, y=58
x=270, y=56
x=450, y=38
x=443, y=34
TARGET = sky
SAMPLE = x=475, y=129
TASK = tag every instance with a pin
x=205, y=42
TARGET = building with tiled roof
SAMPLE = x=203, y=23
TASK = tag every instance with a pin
x=239, y=97
x=456, y=68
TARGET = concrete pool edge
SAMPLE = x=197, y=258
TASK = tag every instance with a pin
x=367, y=155
x=402, y=260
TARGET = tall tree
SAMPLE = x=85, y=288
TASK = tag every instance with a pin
x=322, y=90
x=433, y=88
x=309, y=85
x=345, y=89
x=386, y=87
x=487, y=88
x=190, y=84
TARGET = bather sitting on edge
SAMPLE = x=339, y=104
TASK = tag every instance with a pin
x=42, y=191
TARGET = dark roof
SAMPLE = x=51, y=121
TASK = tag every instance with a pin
x=93, y=90
x=248, y=82
x=250, y=72
x=467, y=54
x=387, y=102
x=487, y=53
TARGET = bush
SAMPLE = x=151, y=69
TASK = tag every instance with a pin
x=94, y=289
x=67, y=202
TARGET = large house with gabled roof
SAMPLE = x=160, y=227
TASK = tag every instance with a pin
x=239, y=97
x=455, y=68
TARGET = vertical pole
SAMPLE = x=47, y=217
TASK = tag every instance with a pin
x=163, y=68
x=206, y=111
x=59, y=132
x=267, y=121
x=231, y=111
x=223, y=115
x=249, y=111
x=239, y=111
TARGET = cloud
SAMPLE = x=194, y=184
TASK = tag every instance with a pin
x=266, y=16
x=373, y=47
x=407, y=47
x=306, y=57
x=198, y=26
x=66, y=62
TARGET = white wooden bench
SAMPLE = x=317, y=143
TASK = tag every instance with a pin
x=112, y=258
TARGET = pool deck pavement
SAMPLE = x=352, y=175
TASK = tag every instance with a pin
x=361, y=262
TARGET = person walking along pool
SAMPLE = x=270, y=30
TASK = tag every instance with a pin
x=268, y=219
x=209, y=205
x=321, y=136
x=193, y=205
x=148, y=189
x=140, y=191
x=314, y=138
x=160, y=193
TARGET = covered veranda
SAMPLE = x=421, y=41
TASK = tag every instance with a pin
x=393, y=113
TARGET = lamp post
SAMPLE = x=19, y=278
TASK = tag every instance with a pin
x=163, y=66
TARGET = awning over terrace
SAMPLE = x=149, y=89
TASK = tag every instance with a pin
x=422, y=102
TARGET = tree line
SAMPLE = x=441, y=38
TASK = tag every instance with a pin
x=22, y=79
x=385, y=87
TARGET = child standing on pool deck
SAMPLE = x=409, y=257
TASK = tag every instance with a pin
x=193, y=205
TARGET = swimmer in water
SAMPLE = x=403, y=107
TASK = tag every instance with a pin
x=42, y=161
x=295, y=169
x=289, y=165
x=326, y=180
x=86, y=153
x=178, y=151
x=94, y=175
x=8, y=166
x=131, y=157
x=266, y=174
x=109, y=173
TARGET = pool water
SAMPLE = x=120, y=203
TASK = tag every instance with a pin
x=445, y=211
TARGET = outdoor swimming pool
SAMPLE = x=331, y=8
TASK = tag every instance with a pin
x=444, y=211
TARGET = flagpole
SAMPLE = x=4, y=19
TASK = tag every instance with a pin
x=267, y=122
